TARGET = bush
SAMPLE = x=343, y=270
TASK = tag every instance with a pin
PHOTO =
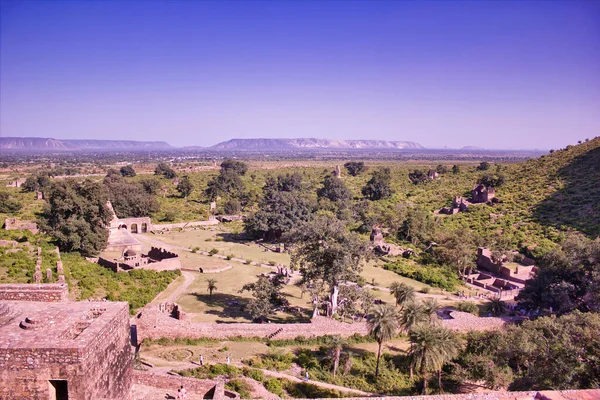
x=213, y=251
x=240, y=386
x=274, y=386
x=254, y=373
x=430, y=274
x=424, y=290
x=467, y=306
x=229, y=256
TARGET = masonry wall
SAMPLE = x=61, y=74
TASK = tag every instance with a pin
x=107, y=360
x=46, y=292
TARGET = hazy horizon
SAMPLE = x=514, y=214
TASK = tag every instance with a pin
x=497, y=75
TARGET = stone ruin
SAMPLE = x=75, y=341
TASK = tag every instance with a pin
x=60, y=350
x=17, y=183
x=480, y=194
x=432, y=175
x=16, y=224
x=173, y=309
x=337, y=172
x=387, y=249
x=497, y=277
x=157, y=259
x=483, y=194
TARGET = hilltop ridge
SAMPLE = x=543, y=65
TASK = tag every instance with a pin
x=51, y=144
x=312, y=143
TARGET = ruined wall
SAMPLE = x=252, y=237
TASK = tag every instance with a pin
x=203, y=386
x=107, y=360
x=47, y=292
x=15, y=224
x=137, y=221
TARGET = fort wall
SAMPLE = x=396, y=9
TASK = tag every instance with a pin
x=46, y=292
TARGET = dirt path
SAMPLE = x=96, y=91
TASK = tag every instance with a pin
x=188, y=279
x=316, y=383
x=189, y=365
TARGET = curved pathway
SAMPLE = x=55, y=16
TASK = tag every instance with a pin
x=190, y=365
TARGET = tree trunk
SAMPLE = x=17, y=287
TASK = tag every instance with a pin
x=411, y=372
x=424, y=383
x=378, y=356
x=336, y=362
x=334, y=299
x=439, y=374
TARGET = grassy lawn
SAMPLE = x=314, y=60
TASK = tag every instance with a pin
x=221, y=306
x=217, y=352
x=224, y=241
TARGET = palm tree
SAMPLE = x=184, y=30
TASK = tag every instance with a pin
x=336, y=344
x=496, y=307
x=431, y=347
x=383, y=325
x=413, y=314
x=403, y=293
x=430, y=308
x=212, y=285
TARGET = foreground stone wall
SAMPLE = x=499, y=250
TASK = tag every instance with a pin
x=83, y=344
x=107, y=360
x=46, y=292
x=208, y=388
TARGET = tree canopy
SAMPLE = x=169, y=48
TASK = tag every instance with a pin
x=379, y=186
x=76, y=215
x=355, y=168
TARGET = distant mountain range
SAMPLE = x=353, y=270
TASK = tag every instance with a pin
x=292, y=144
x=49, y=144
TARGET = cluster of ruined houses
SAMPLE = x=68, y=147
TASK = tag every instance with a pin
x=480, y=194
x=498, y=276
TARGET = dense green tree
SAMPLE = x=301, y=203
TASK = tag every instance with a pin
x=127, y=171
x=355, y=168
x=334, y=189
x=418, y=227
x=34, y=183
x=239, y=167
x=417, y=176
x=441, y=169
x=266, y=296
x=568, y=278
x=282, y=208
x=130, y=199
x=546, y=354
x=232, y=207
x=8, y=204
x=492, y=180
x=227, y=183
x=163, y=169
x=403, y=293
x=76, y=215
x=379, y=186
x=382, y=324
x=324, y=250
x=483, y=166
x=185, y=187
x=458, y=250
x=150, y=184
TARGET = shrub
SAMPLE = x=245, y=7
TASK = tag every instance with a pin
x=424, y=290
x=213, y=251
x=467, y=306
x=240, y=386
x=274, y=386
x=254, y=373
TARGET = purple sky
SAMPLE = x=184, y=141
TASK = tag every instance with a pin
x=495, y=74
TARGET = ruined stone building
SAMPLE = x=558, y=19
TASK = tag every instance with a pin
x=54, y=349
x=483, y=194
